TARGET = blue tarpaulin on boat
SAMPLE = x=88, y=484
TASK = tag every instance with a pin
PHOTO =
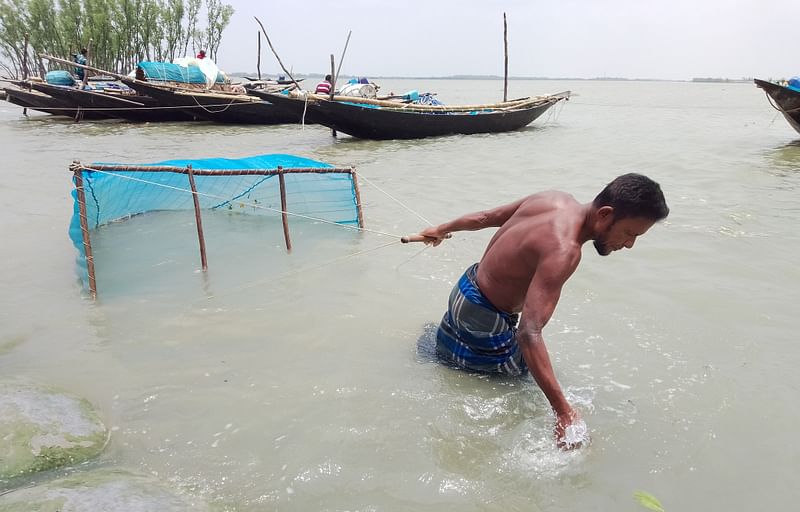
x=794, y=83
x=115, y=195
x=169, y=72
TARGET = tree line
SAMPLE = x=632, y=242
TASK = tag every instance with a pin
x=122, y=32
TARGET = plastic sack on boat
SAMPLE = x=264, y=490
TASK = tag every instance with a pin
x=359, y=90
x=794, y=83
x=59, y=77
x=207, y=66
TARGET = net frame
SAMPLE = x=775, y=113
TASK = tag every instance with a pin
x=81, y=217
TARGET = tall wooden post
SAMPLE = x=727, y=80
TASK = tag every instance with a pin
x=357, y=192
x=284, y=214
x=333, y=85
x=25, y=58
x=25, y=66
x=505, y=45
x=258, y=62
x=197, y=218
x=87, y=244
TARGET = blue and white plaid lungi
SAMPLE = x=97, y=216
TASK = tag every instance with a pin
x=476, y=335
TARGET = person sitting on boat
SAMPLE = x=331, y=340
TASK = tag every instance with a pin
x=201, y=54
x=80, y=58
x=324, y=87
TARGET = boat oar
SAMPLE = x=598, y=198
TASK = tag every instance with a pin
x=421, y=238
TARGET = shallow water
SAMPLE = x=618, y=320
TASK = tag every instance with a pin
x=292, y=382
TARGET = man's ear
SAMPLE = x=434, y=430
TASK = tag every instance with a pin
x=605, y=215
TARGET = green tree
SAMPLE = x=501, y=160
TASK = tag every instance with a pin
x=122, y=32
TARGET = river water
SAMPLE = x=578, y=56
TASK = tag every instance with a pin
x=292, y=381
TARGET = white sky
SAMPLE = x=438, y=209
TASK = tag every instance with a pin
x=665, y=39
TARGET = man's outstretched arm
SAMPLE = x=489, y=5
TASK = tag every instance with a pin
x=495, y=217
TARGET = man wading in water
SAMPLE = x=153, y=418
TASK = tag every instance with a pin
x=523, y=269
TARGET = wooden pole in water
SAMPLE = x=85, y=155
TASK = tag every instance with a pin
x=284, y=214
x=357, y=192
x=258, y=62
x=333, y=83
x=25, y=66
x=25, y=58
x=197, y=218
x=77, y=171
x=505, y=44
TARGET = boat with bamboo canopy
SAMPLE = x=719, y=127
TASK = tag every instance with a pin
x=380, y=119
x=784, y=98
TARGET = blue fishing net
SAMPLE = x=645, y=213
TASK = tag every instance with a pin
x=113, y=196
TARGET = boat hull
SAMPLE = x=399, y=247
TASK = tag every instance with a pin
x=230, y=109
x=368, y=122
x=136, y=107
x=40, y=102
x=786, y=100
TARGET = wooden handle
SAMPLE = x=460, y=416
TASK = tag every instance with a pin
x=419, y=238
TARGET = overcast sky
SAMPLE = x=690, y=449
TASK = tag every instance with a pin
x=665, y=39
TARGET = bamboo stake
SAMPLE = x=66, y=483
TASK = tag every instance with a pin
x=84, y=66
x=276, y=53
x=336, y=76
x=333, y=84
x=25, y=58
x=77, y=170
x=25, y=66
x=357, y=192
x=197, y=218
x=505, y=41
x=258, y=62
x=284, y=215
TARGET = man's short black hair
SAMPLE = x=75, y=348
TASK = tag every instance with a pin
x=84, y=51
x=328, y=77
x=634, y=195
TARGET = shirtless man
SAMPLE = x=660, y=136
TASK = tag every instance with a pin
x=523, y=269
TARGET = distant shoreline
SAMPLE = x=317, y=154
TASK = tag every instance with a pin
x=495, y=77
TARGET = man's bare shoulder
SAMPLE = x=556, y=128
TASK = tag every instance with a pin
x=544, y=201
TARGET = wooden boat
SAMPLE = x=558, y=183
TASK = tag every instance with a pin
x=131, y=107
x=35, y=100
x=784, y=99
x=219, y=107
x=377, y=119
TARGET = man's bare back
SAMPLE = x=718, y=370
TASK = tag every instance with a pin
x=542, y=223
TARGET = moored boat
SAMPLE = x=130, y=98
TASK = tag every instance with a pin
x=24, y=97
x=114, y=103
x=376, y=119
x=784, y=98
x=219, y=107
